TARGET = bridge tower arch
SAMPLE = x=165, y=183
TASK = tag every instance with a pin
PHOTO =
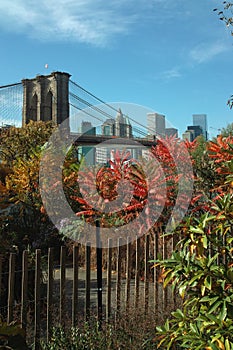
x=46, y=97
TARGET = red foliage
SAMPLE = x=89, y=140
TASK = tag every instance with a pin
x=122, y=189
x=101, y=188
x=221, y=152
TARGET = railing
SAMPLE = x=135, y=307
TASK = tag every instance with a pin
x=41, y=295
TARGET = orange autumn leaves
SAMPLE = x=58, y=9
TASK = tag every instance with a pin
x=221, y=151
x=113, y=194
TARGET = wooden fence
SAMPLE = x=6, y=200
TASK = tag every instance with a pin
x=40, y=294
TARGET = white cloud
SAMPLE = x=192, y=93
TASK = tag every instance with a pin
x=169, y=74
x=205, y=52
x=95, y=22
x=89, y=21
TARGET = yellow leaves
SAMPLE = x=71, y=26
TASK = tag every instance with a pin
x=22, y=143
x=198, y=244
x=192, y=248
x=22, y=182
x=220, y=344
x=182, y=290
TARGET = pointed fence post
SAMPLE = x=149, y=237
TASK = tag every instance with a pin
x=37, y=300
x=24, y=288
x=50, y=294
x=88, y=281
x=99, y=272
x=11, y=287
x=75, y=286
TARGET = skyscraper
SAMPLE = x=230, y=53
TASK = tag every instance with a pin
x=120, y=126
x=87, y=151
x=192, y=132
x=171, y=132
x=201, y=120
x=87, y=128
x=156, y=124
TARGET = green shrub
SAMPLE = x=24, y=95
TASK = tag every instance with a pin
x=128, y=334
x=201, y=268
x=89, y=338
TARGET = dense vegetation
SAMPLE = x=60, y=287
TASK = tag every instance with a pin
x=23, y=222
x=200, y=267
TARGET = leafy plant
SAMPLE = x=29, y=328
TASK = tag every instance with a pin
x=21, y=143
x=107, y=181
x=90, y=336
x=20, y=204
x=12, y=336
x=201, y=268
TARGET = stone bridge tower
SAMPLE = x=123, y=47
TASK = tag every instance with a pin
x=46, y=98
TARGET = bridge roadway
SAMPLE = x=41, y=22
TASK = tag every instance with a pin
x=85, y=139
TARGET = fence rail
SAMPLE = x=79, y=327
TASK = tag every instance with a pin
x=40, y=295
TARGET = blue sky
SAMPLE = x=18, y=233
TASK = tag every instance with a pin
x=172, y=56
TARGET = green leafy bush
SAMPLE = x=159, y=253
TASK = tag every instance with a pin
x=201, y=267
x=89, y=338
x=125, y=335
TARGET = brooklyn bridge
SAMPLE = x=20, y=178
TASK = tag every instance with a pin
x=97, y=128
x=56, y=97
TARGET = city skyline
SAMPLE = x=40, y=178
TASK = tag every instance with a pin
x=34, y=106
x=173, y=58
